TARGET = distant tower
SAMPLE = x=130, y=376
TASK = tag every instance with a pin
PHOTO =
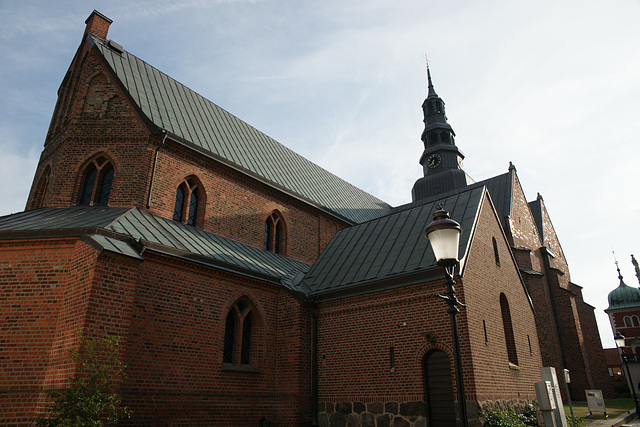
x=624, y=312
x=635, y=264
x=441, y=160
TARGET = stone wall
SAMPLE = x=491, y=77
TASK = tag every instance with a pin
x=373, y=414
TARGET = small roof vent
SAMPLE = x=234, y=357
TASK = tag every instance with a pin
x=115, y=47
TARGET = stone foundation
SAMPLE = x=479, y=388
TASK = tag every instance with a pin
x=395, y=414
x=374, y=414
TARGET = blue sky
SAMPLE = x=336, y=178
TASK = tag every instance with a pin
x=550, y=85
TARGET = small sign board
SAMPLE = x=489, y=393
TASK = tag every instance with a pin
x=595, y=401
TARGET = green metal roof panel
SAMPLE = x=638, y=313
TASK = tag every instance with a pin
x=115, y=229
x=172, y=106
x=392, y=246
x=80, y=217
x=113, y=245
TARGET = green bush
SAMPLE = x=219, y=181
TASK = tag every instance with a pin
x=90, y=398
x=498, y=418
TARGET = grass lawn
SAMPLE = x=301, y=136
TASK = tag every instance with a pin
x=615, y=408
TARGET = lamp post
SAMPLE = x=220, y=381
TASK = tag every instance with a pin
x=444, y=235
x=619, y=339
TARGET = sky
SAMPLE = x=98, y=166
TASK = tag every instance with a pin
x=552, y=86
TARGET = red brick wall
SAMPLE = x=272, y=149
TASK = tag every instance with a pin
x=45, y=287
x=237, y=206
x=174, y=350
x=484, y=282
x=356, y=334
x=92, y=116
x=566, y=322
x=171, y=316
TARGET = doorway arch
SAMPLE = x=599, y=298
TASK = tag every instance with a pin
x=438, y=389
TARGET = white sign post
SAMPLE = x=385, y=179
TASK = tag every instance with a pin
x=595, y=402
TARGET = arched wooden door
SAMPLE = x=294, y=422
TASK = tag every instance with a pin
x=438, y=389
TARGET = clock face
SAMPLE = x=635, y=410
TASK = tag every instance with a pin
x=434, y=160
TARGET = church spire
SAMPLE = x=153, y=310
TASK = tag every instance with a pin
x=441, y=160
x=432, y=92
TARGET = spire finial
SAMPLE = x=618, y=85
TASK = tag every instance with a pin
x=617, y=266
x=432, y=91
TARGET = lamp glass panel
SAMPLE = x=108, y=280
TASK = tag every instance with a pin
x=445, y=243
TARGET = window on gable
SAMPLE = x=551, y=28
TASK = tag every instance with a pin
x=508, y=330
x=187, y=202
x=275, y=233
x=496, y=254
x=238, y=341
x=97, y=180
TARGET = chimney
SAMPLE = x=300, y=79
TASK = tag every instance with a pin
x=97, y=24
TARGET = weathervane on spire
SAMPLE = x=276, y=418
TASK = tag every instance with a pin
x=616, y=263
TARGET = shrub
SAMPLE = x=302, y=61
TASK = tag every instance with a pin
x=90, y=398
x=497, y=418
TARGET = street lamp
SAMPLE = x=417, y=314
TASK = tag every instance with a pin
x=620, y=342
x=444, y=235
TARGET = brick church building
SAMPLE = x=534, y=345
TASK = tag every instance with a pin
x=248, y=283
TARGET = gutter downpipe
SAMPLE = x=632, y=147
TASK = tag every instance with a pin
x=153, y=170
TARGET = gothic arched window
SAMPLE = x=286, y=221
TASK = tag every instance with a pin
x=238, y=341
x=635, y=320
x=508, y=330
x=275, y=233
x=627, y=321
x=187, y=202
x=97, y=180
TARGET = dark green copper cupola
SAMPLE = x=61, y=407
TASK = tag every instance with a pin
x=441, y=159
x=623, y=296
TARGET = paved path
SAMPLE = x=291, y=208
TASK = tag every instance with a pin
x=628, y=419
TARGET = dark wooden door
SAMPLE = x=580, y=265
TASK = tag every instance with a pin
x=438, y=390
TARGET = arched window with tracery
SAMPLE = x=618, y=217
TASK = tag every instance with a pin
x=275, y=233
x=187, y=202
x=97, y=179
x=508, y=330
x=238, y=347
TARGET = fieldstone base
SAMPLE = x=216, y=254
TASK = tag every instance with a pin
x=374, y=414
x=393, y=414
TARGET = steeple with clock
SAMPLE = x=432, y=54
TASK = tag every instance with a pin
x=441, y=159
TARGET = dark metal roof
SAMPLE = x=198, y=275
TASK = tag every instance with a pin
x=390, y=251
x=120, y=230
x=168, y=104
x=501, y=190
x=536, y=211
